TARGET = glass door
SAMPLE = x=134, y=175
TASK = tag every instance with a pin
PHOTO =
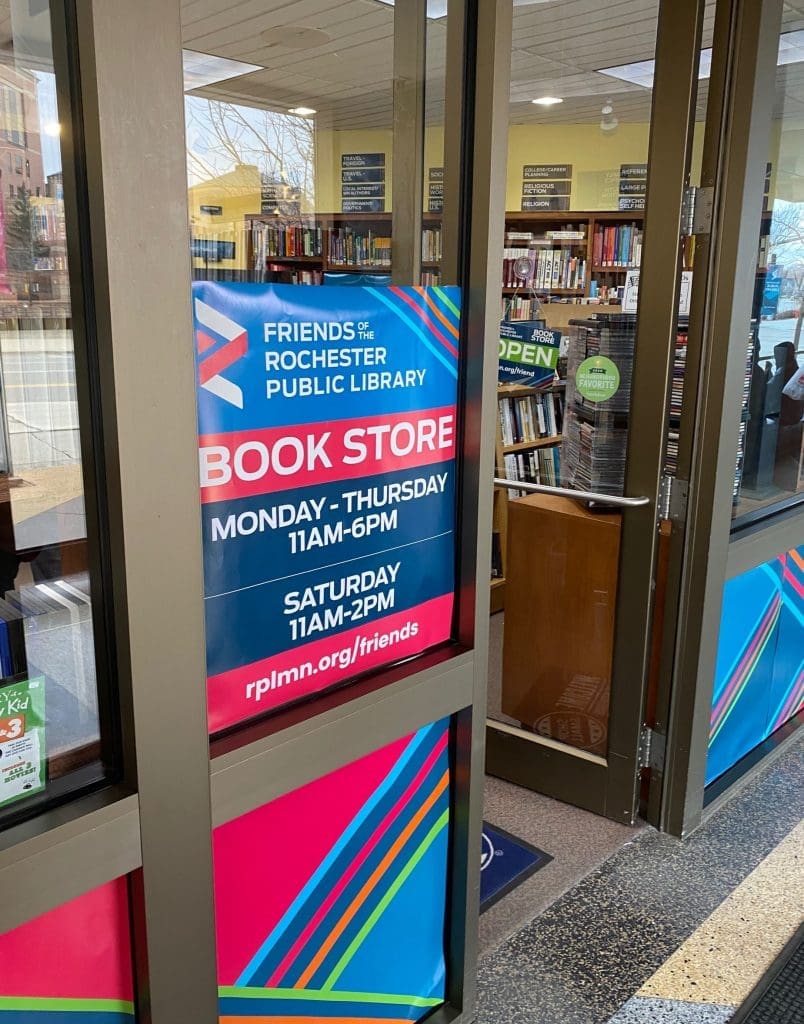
x=595, y=296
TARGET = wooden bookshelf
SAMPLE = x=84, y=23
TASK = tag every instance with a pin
x=524, y=446
x=608, y=275
x=585, y=220
x=501, y=495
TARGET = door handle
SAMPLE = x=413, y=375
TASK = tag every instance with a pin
x=593, y=497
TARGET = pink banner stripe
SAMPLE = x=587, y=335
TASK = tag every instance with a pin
x=204, y=341
x=227, y=354
x=232, y=696
x=794, y=582
x=426, y=320
x=263, y=461
x=382, y=828
x=747, y=657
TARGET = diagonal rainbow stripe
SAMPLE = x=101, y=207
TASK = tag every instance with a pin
x=372, y=882
x=251, y=973
x=446, y=358
x=740, y=675
x=426, y=319
x=791, y=703
x=353, y=869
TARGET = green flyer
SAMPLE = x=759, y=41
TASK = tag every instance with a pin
x=22, y=739
x=597, y=379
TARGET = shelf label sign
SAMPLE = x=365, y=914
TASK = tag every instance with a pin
x=528, y=353
x=327, y=433
x=546, y=187
x=534, y=204
x=363, y=191
x=633, y=187
x=551, y=172
x=22, y=739
x=597, y=379
x=362, y=160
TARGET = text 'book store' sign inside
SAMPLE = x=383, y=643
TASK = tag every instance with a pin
x=363, y=182
x=546, y=187
x=327, y=461
x=528, y=353
x=633, y=186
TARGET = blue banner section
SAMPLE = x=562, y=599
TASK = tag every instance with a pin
x=327, y=432
x=294, y=610
x=248, y=540
x=310, y=355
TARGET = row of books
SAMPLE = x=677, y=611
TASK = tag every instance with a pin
x=540, y=466
x=546, y=269
x=617, y=245
x=358, y=248
x=36, y=610
x=286, y=240
x=297, y=276
x=519, y=307
x=531, y=417
x=431, y=278
x=431, y=245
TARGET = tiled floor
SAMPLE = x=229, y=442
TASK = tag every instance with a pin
x=612, y=947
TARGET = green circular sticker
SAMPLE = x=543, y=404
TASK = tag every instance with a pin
x=597, y=379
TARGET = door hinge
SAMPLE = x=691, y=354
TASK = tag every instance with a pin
x=702, y=212
x=688, y=210
x=696, y=210
x=673, y=497
x=645, y=744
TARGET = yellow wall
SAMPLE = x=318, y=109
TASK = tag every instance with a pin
x=238, y=193
x=330, y=147
x=595, y=157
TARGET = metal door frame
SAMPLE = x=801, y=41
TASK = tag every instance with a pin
x=610, y=785
x=155, y=825
x=741, y=99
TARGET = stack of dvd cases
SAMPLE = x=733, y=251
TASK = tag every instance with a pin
x=676, y=401
x=744, y=416
x=594, y=445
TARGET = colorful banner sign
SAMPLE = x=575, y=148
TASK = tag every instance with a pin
x=327, y=422
x=71, y=964
x=528, y=353
x=23, y=768
x=759, y=678
x=330, y=901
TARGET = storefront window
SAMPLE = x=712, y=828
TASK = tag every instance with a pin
x=50, y=739
x=771, y=470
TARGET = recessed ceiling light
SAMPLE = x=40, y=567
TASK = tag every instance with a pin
x=547, y=101
x=202, y=69
x=302, y=111
x=791, y=51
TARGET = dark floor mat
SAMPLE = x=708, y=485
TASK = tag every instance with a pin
x=505, y=862
x=779, y=997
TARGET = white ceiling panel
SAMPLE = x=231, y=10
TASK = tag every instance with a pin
x=346, y=75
